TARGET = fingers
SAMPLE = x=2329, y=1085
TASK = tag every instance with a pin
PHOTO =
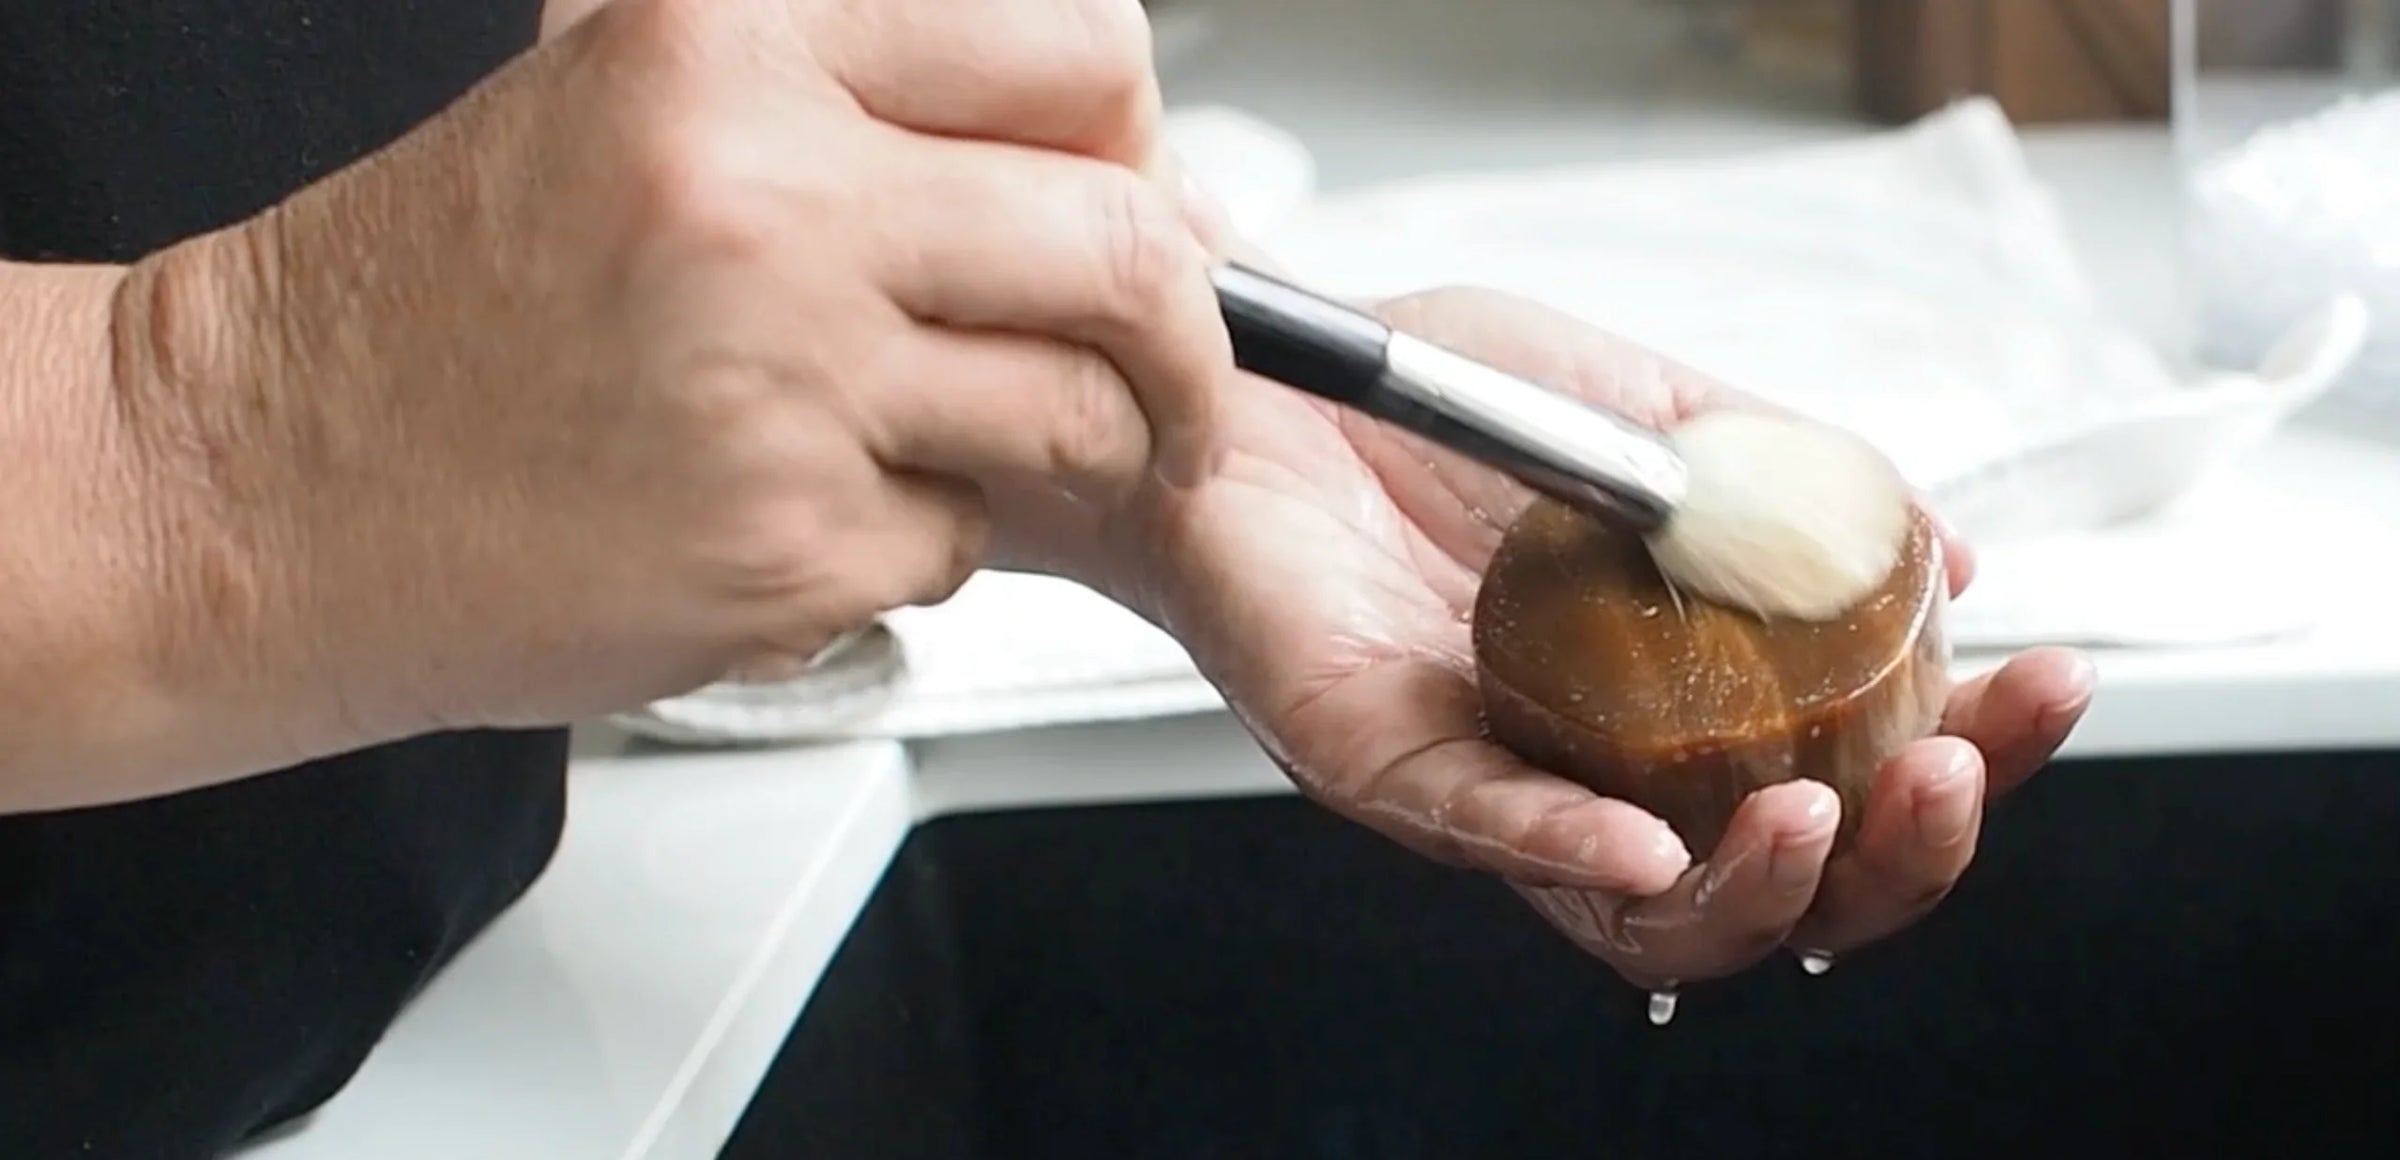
x=914, y=542
x=1723, y=916
x=1918, y=837
x=1958, y=557
x=926, y=537
x=1466, y=803
x=1920, y=833
x=1071, y=75
x=994, y=237
x=991, y=406
x=1533, y=827
x=1398, y=747
x=1205, y=215
x=1926, y=812
x=2019, y=714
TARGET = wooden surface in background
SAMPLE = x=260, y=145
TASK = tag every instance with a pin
x=2042, y=60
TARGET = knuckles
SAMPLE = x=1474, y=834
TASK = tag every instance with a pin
x=1093, y=430
x=965, y=551
x=701, y=119
x=716, y=215
x=1102, y=48
x=688, y=191
x=1100, y=51
x=1112, y=51
x=789, y=557
x=1146, y=251
x=714, y=187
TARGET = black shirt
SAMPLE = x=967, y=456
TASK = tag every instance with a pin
x=177, y=974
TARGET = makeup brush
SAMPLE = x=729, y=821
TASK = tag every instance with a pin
x=1775, y=515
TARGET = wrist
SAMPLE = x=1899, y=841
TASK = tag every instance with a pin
x=197, y=392
x=131, y=608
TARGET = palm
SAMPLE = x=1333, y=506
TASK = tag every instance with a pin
x=1325, y=581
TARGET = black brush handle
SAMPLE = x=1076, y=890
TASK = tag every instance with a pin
x=1583, y=455
x=1302, y=339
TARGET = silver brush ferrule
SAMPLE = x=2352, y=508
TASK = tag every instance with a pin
x=1576, y=453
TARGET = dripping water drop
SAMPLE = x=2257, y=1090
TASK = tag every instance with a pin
x=1662, y=1007
x=1815, y=962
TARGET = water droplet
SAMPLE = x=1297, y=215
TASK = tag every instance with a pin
x=1815, y=962
x=1662, y=1007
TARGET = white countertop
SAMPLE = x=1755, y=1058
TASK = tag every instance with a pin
x=630, y=1005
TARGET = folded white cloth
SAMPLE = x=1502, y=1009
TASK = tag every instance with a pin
x=1009, y=651
x=1915, y=285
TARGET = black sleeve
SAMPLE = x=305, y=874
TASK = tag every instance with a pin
x=126, y=125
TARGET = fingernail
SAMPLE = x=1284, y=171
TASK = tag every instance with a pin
x=1664, y=852
x=1796, y=860
x=2084, y=677
x=1946, y=808
x=2084, y=673
x=1203, y=212
x=1942, y=526
x=1670, y=852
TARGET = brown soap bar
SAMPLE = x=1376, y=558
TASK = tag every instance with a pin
x=1594, y=670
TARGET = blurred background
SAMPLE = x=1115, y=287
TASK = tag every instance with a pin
x=2132, y=112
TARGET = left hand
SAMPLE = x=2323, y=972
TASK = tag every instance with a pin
x=1324, y=580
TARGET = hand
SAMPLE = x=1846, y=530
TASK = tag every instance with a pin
x=1324, y=581
x=687, y=342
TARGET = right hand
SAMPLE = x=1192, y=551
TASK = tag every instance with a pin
x=687, y=342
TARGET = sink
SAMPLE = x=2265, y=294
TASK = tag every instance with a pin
x=2155, y=958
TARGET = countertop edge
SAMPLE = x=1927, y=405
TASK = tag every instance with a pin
x=698, y=1113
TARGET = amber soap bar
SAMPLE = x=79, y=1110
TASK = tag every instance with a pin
x=1593, y=668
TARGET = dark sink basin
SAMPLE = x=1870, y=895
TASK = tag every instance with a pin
x=2175, y=959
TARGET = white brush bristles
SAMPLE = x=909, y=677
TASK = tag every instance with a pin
x=1783, y=517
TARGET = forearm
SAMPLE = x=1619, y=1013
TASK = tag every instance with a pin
x=131, y=657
